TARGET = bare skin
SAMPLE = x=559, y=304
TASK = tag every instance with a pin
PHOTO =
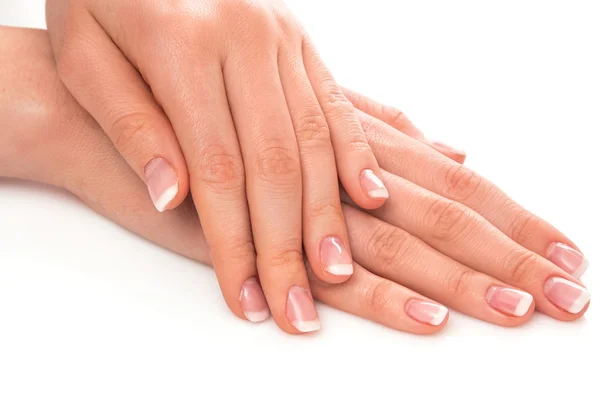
x=448, y=236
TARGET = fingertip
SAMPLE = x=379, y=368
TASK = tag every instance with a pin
x=370, y=193
x=427, y=312
x=163, y=183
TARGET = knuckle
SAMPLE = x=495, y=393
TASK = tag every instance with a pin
x=378, y=297
x=278, y=165
x=253, y=22
x=459, y=282
x=358, y=146
x=523, y=226
x=129, y=132
x=325, y=209
x=520, y=265
x=285, y=256
x=388, y=245
x=335, y=98
x=219, y=169
x=312, y=128
x=235, y=248
x=448, y=220
x=461, y=182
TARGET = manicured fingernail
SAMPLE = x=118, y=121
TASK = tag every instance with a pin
x=566, y=295
x=509, y=301
x=301, y=310
x=426, y=312
x=568, y=259
x=253, y=301
x=373, y=185
x=335, y=257
x=162, y=182
x=444, y=148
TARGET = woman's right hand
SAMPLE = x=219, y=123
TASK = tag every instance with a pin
x=431, y=244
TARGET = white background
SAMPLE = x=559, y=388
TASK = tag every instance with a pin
x=90, y=311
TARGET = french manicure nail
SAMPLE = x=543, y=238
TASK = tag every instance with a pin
x=426, y=312
x=566, y=294
x=162, y=182
x=567, y=258
x=253, y=301
x=509, y=301
x=335, y=257
x=301, y=310
x=373, y=185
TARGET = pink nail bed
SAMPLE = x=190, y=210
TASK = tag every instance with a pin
x=301, y=310
x=509, y=301
x=162, y=182
x=253, y=301
x=567, y=258
x=426, y=312
x=335, y=258
x=373, y=185
x=567, y=295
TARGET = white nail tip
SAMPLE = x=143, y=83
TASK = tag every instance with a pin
x=380, y=193
x=574, y=306
x=578, y=273
x=307, y=326
x=257, y=316
x=340, y=269
x=524, y=304
x=166, y=197
x=580, y=303
x=439, y=316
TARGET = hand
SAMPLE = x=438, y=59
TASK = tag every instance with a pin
x=384, y=249
x=233, y=94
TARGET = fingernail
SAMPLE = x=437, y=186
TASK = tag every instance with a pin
x=301, y=310
x=162, y=182
x=253, y=301
x=567, y=258
x=509, y=301
x=373, y=185
x=335, y=257
x=566, y=295
x=445, y=148
x=426, y=312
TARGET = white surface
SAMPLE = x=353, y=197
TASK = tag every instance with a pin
x=89, y=311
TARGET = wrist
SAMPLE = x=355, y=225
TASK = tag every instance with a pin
x=29, y=106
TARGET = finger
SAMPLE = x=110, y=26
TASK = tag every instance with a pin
x=324, y=228
x=208, y=137
x=393, y=253
x=115, y=94
x=463, y=235
x=365, y=295
x=390, y=115
x=274, y=185
x=385, y=302
x=421, y=165
x=357, y=167
x=398, y=120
